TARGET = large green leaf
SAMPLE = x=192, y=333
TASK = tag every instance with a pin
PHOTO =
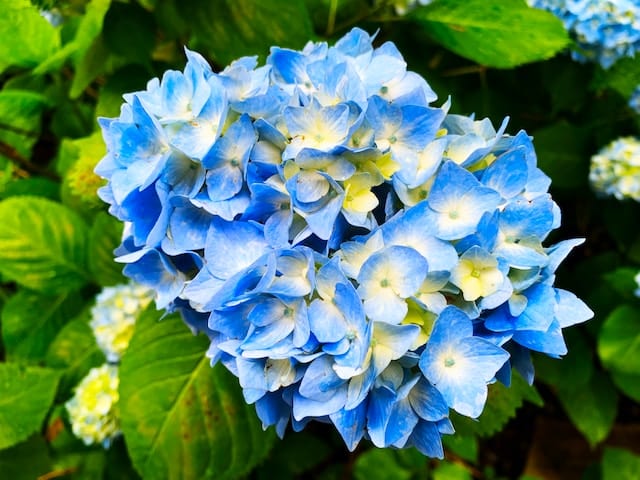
x=26, y=395
x=104, y=237
x=26, y=461
x=28, y=331
x=496, y=33
x=43, y=245
x=75, y=352
x=591, y=407
x=182, y=418
x=619, y=340
x=27, y=38
x=619, y=464
x=228, y=29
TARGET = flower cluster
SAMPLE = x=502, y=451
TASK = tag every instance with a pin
x=605, y=30
x=615, y=169
x=114, y=315
x=93, y=410
x=355, y=255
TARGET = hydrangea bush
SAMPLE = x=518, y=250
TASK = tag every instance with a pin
x=354, y=253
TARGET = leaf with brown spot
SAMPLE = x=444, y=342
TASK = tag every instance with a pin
x=180, y=417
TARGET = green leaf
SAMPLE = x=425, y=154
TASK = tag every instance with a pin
x=562, y=154
x=130, y=78
x=592, y=407
x=83, y=464
x=40, y=186
x=28, y=331
x=619, y=464
x=619, y=340
x=75, y=352
x=43, y=245
x=182, y=418
x=623, y=76
x=26, y=460
x=20, y=118
x=451, y=471
x=27, y=38
x=464, y=446
x=129, y=31
x=88, y=29
x=104, y=237
x=379, y=464
x=98, y=61
x=495, y=33
x=622, y=280
x=27, y=394
x=502, y=404
x=228, y=29
x=72, y=119
x=297, y=453
x=628, y=384
x=573, y=370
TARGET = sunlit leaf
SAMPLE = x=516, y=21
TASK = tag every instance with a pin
x=27, y=394
x=496, y=33
x=43, y=245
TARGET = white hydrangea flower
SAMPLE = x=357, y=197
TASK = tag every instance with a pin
x=93, y=410
x=637, y=279
x=114, y=315
x=615, y=170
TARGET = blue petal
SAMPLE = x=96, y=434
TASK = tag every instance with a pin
x=350, y=424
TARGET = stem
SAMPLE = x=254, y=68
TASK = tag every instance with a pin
x=11, y=153
x=58, y=473
x=331, y=19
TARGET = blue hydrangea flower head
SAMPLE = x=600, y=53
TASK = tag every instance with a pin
x=355, y=254
x=605, y=30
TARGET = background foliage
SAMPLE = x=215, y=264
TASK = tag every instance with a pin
x=182, y=419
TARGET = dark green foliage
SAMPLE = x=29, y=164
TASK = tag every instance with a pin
x=180, y=417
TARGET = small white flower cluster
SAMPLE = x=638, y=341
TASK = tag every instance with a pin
x=615, y=170
x=93, y=410
x=114, y=315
